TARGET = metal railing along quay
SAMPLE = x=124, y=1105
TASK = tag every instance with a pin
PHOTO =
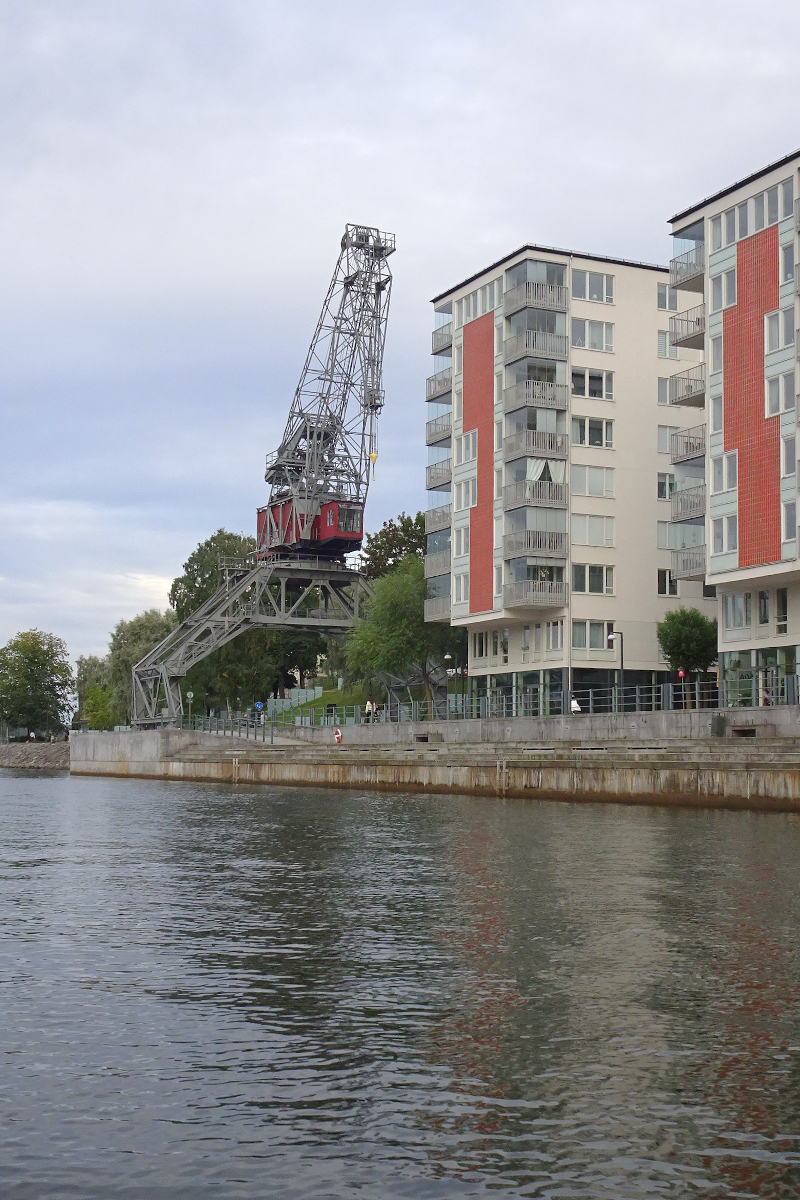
x=536, y=442
x=535, y=393
x=536, y=541
x=537, y=492
x=537, y=344
x=688, y=270
x=688, y=328
x=687, y=444
x=688, y=503
x=439, y=384
x=536, y=295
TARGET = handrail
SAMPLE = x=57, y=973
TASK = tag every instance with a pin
x=438, y=428
x=438, y=384
x=536, y=342
x=535, y=441
x=535, y=393
x=686, y=386
x=689, y=502
x=536, y=541
x=536, y=295
x=442, y=337
x=537, y=492
x=539, y=593
x=688, y=443
x=438, y=518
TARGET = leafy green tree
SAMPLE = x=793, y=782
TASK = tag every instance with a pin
x=130, y=641
x=394, y=636
x=688, y=639
x=36, y=682
x=394, y=541
x=98, y=709
x=200, y=578
x=90, y=669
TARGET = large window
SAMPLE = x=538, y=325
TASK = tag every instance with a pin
x=461, y=540
x=667, y=586
x=592, y=335
x=593, y=579
x=591, y=531
x=779, y=329
x=724, y=472
x=591, y=285
x=724, y=534
x=467, y=447
x=465, y=494
x=592, y=635
x=723, y=290
x=597, y=385
x=554, y=635
x=592, y=431
x=737, y=610
x=667, y=297
x=482, y=300
x=592, y=481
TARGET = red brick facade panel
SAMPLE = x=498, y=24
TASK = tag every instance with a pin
x=478, y=413
x=747, y=430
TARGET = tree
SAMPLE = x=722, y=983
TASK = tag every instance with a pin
x=98, y=708
x=394, y=636
x=394, y=541
x=36, y=683
x=130, y=641
x=200, y=578
x=89, y=670
x=688, y=639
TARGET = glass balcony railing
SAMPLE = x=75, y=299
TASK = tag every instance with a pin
x=437, y=608
x=438, y=429
x=438, y=518
x=689, y=563
x=442, y=338
x=438, y=475
x=439, y=384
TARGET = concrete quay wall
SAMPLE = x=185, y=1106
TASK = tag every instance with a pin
x=718, y=774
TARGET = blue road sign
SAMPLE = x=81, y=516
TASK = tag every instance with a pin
x=259, y=706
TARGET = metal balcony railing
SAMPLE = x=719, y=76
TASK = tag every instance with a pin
x=689, y=328
x=535, y=393
x=689, y=563
x=534, y=593
x=437, y=608
x=536, y=295
x=540, y=493
x=442, y=338
x=797, y=214
x=438, y=518
x=439, y=428
x=689, y=387
x=438, y=475
x=536, y=541
x=535, y=442
x=688, y=503
x=688, y=270
x=536, y=344
x=688, y=443
x=437, y=564
x=439, y=384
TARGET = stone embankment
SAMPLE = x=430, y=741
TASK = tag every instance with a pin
x=35, y=756
x=761, y=772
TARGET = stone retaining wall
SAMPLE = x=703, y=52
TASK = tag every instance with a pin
x=35, y=756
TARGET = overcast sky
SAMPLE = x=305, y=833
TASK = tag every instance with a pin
x=176, y=177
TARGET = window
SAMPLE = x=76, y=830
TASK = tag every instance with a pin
x=790, y=521
x=772, y=205
x=481, y=301
x=331, y=516
x=666, y=485
x=781, y=611
x=495, y=643
x=731, y=470
x=591, y=285
x=504, y=646
x=667, y=586
x=723, y=290
x=787, y=263
x=498, y=339
x=716, y=354
x=498, y=435
x=480, y=645
x=467, y=447
x=788, y=391
x=788, y=326
x=459, y=404
x=598, y=632
x=592, y=431
x=462, y=540
x=597, y=385
x=554, y=635
x=736, y=610
x=498, y=581
x=724, y=472
x=730, y=226
x=665, y=347
x=716, y=414
x=773, y=396
x=591, y=579
x=498, y=485
x=663, y=390
x=743, y=219
x=723, y=528
x=717, y=544
x=763, y=608
x=787, y=193
x=579, y=635
x=667, y=297
x=732, y=532
x=466, y=494
x=779, y=329
x=459, y=358
x=591, y=531
x=709, y=591
x=716, y=233
x=592, y=481
x=665, y=432
x=789, y=456
x=758, y=223
x=717, y=483
x=498, y=389
x=592, y=335
x=498, y=533
x=462, y=587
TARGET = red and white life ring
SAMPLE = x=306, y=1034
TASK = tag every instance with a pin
x=337, y=733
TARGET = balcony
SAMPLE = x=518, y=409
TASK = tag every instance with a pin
x=797, y=214
x=439, y=384
x=689, y=443
x=534, y=593
x=689, y=564
x=534, y=343
x=437, y=564
x=438, y=518
x=689, y=328
x=689, y=503
x=534, y=393
x=689, y=387
x=536, y=295
x=542, y=542
x=438, y=475
x=540, y=493
x=442, y=339
x=535, y=442
x=438, y=429
x=688, y=271
x=437, y=608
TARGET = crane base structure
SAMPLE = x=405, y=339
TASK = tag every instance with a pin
x=299, y=594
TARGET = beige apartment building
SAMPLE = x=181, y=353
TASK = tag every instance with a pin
x=735, y=264
x=552, y=472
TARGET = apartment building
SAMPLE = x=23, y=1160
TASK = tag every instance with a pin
x=735, y=255
x=552, y=473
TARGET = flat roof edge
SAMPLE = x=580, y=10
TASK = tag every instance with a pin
x=780, y=162
x=618, y=262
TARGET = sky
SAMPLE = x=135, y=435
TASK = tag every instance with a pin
x=176, y=177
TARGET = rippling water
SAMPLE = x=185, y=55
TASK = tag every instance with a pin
x=207, y=991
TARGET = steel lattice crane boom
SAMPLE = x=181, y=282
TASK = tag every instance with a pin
x=318, y=477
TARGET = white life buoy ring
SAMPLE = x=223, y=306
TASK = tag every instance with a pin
x=337, y=733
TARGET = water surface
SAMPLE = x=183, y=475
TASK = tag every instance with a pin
x=208, y=991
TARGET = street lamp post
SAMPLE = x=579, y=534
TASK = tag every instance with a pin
x=611, y=636
x=190, y=698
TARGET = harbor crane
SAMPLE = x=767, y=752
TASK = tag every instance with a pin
x=298, y=576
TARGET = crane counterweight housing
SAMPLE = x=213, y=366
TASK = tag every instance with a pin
x=319, y=475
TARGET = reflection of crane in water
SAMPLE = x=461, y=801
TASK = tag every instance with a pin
x=318, y=477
